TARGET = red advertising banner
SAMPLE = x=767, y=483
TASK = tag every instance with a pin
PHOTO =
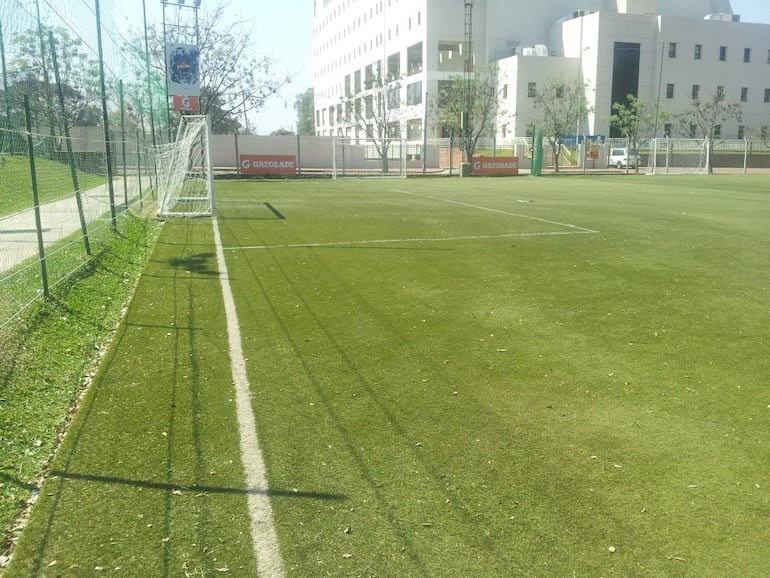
x=268, y=164
x=186, y=103
x=495, y=166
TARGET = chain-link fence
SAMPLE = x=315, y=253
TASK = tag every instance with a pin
x=76, y=137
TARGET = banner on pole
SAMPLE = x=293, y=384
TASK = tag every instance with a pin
x=182, y=70
x=185, y=103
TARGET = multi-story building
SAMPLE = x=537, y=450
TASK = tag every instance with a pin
x=664, y=51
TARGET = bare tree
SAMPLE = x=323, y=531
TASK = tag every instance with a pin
x=377, y=112
x=562, y=104
x=235, y=79
x=707, y=116
x=449, y=106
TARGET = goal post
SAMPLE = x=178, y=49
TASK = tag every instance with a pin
x=185, y=176
x=678, y=156
x=373, y=158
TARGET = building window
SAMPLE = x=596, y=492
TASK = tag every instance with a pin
x=505, y=91
x=414, y=93
x=667, y=130
x=722, y=53
x=698, y=51
x=414, y=129
x=669, y=90
x=717, y=131
x=672, y=49
x=741, y=131
x=763, y=132
x=532, y=90
x=747, y=55
x=394, y=97
x=695, y=91
x=720, y=92
x=768, y=56
x=767, y=95
x=504, y=131
x=693, y=128
x=744, y=93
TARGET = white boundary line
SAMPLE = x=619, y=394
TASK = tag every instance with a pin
x=408, y=240
x=263, y=536
x=574, y=230
x=479, y=207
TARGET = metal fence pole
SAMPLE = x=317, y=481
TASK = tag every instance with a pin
x=36, y=198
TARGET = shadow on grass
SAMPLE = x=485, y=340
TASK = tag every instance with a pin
x=14, y=481
x=195, y=488
x=201, y=263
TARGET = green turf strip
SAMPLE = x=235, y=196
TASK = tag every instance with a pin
x=149, y=480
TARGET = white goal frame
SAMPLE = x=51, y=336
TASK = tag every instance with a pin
x=185, y=175
x=363, y=158
x=678, y=156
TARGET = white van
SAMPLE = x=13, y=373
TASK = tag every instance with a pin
x=622, y=157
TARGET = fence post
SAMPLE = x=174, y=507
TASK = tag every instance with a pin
x=68, y=141
x=35, y=197
x=237, y=155
x=105, y=117
x=123, y=140
x=299, y=155
x=139, y=169
x=745, y=155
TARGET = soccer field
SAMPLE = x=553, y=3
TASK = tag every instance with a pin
x=465, y=377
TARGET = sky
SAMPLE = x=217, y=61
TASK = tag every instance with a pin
x=283, y=31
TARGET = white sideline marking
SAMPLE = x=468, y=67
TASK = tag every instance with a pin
x=263, y=536
x=481, y=208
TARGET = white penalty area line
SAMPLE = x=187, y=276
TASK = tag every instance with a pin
x=263, y=535
x=501, y=212
x=408, y=240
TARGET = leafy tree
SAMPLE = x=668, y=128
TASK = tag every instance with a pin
x=636, y=119
x=282, y=132
x=449, y=107
x=562, y=104
x=305, y=107
x=234, y=82
x=30, y=68
x=708, y=115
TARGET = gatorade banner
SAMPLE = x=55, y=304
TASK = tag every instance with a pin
x=268, y=164
x=186, y=103
x=495, y=166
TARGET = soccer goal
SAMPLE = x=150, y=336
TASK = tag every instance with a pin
x=185, y=179
x=678, y=156
x=380, y=158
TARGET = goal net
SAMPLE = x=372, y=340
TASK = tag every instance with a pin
x=678, y=156
x=379, y=158
x=185, y=179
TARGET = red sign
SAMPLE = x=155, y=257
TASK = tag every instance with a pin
x=186, y=103
x=495, y=166
x=268, y=164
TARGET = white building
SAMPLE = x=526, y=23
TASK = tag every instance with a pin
x=669, y=51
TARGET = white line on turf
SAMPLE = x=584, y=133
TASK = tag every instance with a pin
x=482, y=208
x=263, y=536
x=410, y=240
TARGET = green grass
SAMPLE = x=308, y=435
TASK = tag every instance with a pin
x=471, y=377
x=46, y=354
x=53, y=179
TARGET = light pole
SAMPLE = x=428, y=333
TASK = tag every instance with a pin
x=465, y=121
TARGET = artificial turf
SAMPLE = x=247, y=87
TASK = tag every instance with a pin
x=459, y=377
